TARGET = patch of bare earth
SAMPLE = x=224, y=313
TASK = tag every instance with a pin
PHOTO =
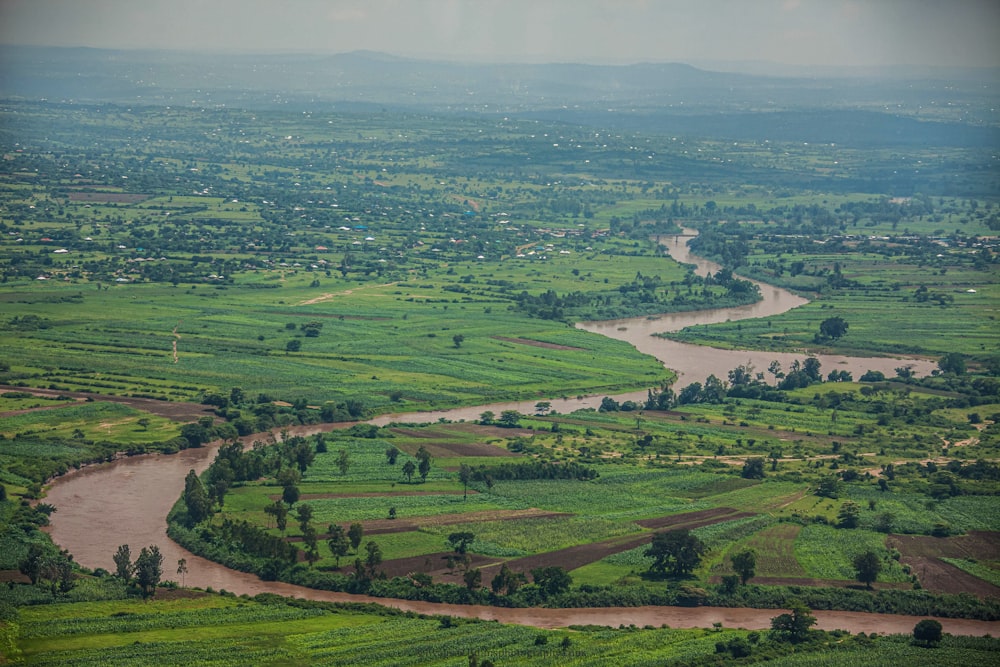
x=108, y=197
x=330, y=295
x=175, y=410
x=538, y=343
x=435, y=565
x=923, y=554
x=442, y=448
x=178, y=594
x=15, y=576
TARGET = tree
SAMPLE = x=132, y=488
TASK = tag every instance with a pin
x=304, y=514
x=31, y=565
x=753, y=468
x=343, y=461
x=867, y=565
x=609, y=404
x=182, y=569
x=278, y=510
x=510, y=419
x=676, y=551
x=408, y=469
x=465, y=475
x=506, y=581
x=124, y=569
x=144, y=422
x=551, y=580
x=953, y=362
x=811, y=368
x=460, y=541
x=927, y=632
x=424, y=468
x=473, y=578
x=355, y=533
x=690, y=394
x=486, y=417
x=833, y=328
x=290, y=494
x=293, y=345
x=391, y=454
x=828, y=486
x=745, y=564
x=884, y=521
x=338, y=542
x=149, y=569
x=849, y=515
x=309, y=539
x=237, y=396
x=373, y=558
x=714, y=390
x=457, y=340
x=542, y=407
x=195, y=434
x=793, y=627
x=41, y=564
x=196, y=500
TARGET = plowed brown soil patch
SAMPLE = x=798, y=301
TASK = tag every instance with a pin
x=977, y=545
x=938, y=576
x=385, y=526
x=923, y=554
x=436, y=565
x=14, y=576
x=108, y=197
x=442, y=448
x=175, y=410
x=538, y=343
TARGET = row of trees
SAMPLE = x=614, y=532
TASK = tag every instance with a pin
x=145, y=571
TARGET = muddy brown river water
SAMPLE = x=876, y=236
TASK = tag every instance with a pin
x=126, y=501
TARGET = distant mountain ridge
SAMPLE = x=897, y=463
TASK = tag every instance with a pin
x=163, y=77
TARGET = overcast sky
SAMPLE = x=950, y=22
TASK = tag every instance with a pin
x=804, y=32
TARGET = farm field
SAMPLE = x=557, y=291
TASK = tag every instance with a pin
x=270, y=285
x=119, y=631
x=598, y=527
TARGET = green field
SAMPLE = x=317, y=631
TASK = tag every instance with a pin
x=282, y=267
x=124, y=632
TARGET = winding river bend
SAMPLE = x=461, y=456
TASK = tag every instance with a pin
x=127, y=501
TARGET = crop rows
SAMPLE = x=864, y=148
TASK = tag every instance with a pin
x=137, y=621
x=826, y=552
x=541, y=534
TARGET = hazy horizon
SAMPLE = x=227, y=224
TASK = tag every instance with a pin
x=799, y=33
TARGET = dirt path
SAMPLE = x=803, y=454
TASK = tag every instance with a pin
x=177, y=337
x=330, y=295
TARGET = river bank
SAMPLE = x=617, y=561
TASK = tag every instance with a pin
x=127, y=501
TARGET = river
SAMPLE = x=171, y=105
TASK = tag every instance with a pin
x=126, y=501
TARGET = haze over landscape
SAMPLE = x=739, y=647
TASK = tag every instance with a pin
x=827, y=33
x=499, y=332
